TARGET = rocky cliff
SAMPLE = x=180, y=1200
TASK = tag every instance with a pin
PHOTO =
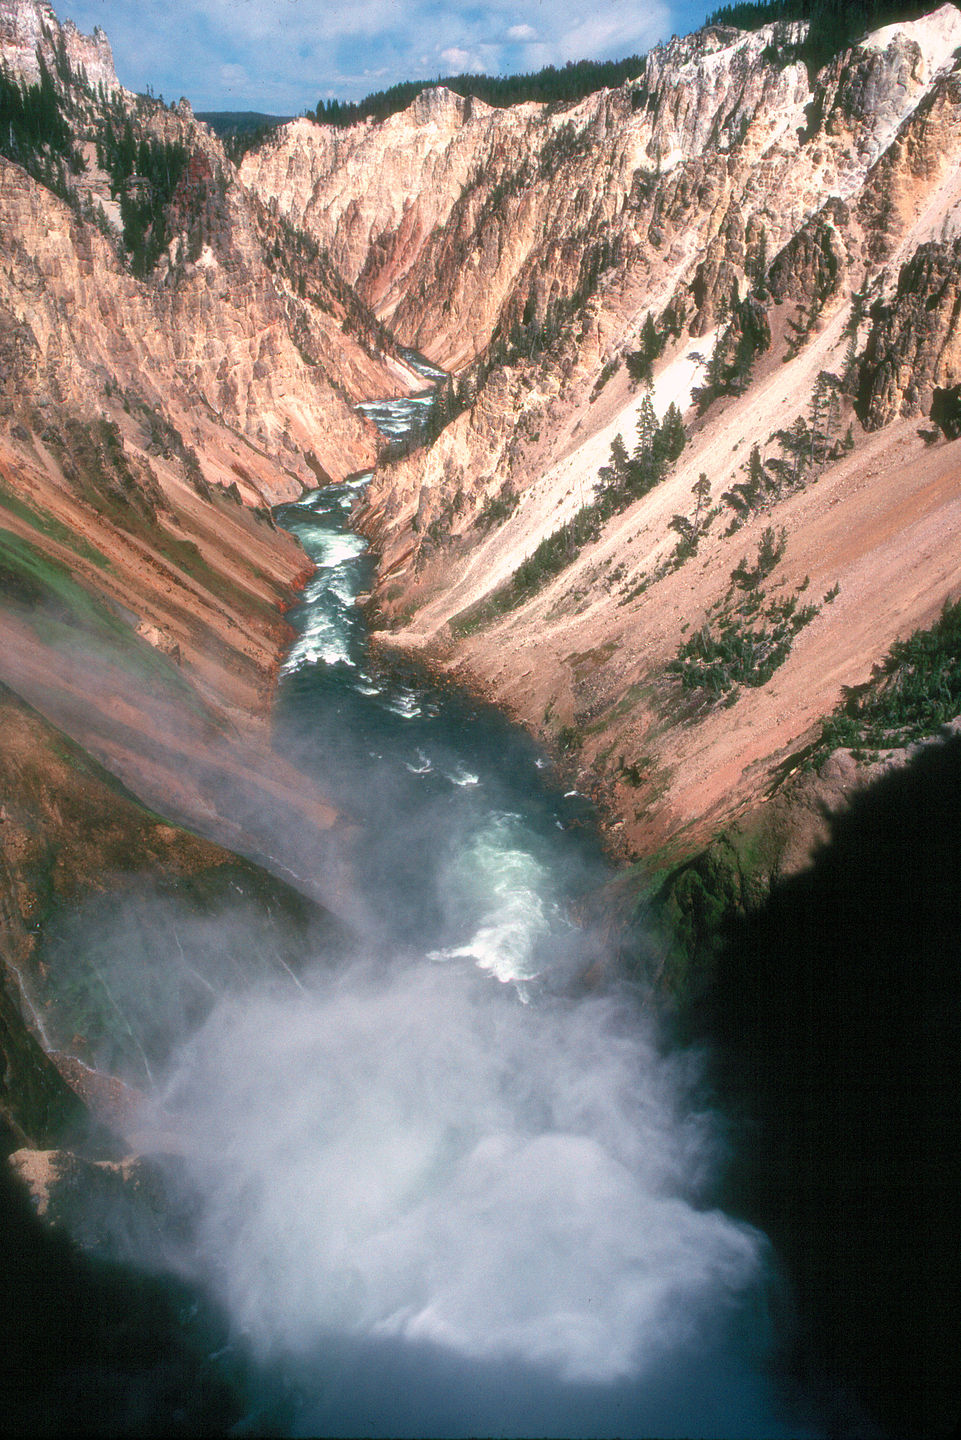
x=173, y=361
x=179, y=286
x=455, y=216
x=693, y=477
x=773, y=248
x=31, y=33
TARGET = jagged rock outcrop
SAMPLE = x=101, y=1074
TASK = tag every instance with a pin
x=29, y=29
x=813, y=265
x=221, y=320
x=461, y=222
x=216, y=336
x=914, y=346
x=917, y=166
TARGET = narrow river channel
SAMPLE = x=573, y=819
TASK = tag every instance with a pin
x=443, y=1191
x=429, y=1181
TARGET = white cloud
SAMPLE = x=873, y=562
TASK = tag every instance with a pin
x=233, y=76
x=457, y=59
x=282, y=55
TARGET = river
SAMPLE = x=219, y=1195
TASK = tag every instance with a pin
x=470, y=850
x=444, y=1191
x=438, y=1186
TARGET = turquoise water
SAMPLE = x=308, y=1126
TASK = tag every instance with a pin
x=472, y=848
x=441, y=1189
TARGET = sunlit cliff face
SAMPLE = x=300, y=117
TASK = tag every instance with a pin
x=433, y=1192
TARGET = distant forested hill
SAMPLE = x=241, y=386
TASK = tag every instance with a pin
x=241, y=130
x=569, y=83
x=239, y=122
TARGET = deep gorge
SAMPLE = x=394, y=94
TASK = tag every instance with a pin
x=377, y=1058
x=352, y=1137
x=434, y=1186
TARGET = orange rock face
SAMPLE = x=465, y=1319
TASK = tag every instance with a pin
x=726, y=174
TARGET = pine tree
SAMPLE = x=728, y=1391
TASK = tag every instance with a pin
x=825, y=416
x=640, y=361
x=701, y=490
x=688, y=527
x=672, y=435
x=687, y=530
x=619, y=462
x=759, y=267
x=644, y=460
x=651, y=341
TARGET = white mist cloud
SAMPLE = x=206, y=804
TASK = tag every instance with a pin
x=410, y=1172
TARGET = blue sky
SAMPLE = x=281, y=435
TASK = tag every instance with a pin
x=281, y=56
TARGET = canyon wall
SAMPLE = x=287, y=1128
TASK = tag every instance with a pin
x=31, y=32
x=788, y=239
x=761, y=257
x=695, y=474
x=157, y=397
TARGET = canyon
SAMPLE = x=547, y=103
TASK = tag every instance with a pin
x=663, y=199
x=692, y=473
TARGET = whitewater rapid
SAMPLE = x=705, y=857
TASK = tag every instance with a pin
x=440, y=1190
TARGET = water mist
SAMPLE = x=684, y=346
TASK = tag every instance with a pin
x=435, y=1192
x=437, y=1210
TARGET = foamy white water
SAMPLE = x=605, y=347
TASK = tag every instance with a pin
x=435, y=1198
x=495, y=877
x=410, y=1158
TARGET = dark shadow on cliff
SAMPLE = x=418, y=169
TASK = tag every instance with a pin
x=838, y=1011
x=92, y=1348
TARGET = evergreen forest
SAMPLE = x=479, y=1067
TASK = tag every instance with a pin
x=144, y=174
x=551, y=86
x=35, y=132
x=834, y=24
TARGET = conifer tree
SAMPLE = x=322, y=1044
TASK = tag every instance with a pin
x=701, y=490
x=644, y=460
x=687, y=530
x=760, y=266
x=688, y=527
x=673, y=436
x=640, y=361
x=615, y=472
